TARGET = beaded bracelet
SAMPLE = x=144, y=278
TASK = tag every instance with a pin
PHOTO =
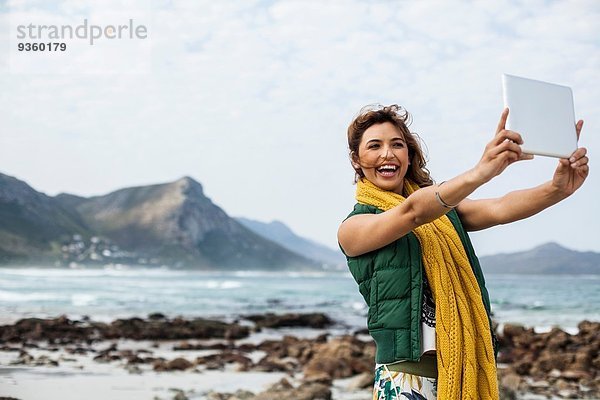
x=439, y=199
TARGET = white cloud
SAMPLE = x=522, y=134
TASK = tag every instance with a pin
x=253, y=100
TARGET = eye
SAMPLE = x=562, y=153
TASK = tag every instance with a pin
x=399, y=145
x=373, y=146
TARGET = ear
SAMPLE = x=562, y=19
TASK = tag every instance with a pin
x=353, y=160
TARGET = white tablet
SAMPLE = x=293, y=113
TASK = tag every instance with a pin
x=543, y=113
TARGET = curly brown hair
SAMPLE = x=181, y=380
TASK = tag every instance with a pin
x=377, y=114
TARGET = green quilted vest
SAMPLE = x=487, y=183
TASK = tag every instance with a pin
x=390, y=281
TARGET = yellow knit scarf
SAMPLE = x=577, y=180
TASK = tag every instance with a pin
x=465, y=355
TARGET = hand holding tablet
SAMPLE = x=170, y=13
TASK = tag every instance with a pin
x=544, y=115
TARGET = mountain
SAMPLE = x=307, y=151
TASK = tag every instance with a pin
x=172, y=223
x=278, y=232
x=549, y=258
x=30, y=221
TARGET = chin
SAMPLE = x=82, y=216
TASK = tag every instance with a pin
x=390, y=187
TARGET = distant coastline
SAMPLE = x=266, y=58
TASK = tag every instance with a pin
x=174, y=224
x=549, y=258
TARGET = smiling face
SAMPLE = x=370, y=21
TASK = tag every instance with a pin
x=383, y=156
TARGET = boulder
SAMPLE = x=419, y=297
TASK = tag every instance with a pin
x=283, y=390
x=339, y=358
x=309, y=320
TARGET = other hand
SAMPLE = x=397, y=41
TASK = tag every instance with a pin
x=502, y=151
x=572, y=172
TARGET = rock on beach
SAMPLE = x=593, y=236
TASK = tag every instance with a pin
x=552, y=364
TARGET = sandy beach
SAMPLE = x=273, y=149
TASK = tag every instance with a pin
x=80, y=377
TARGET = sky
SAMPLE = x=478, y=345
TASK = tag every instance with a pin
x=253, y=98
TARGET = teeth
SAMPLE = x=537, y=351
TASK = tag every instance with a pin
x=388, y=167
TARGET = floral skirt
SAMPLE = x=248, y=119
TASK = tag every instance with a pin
x=399, y=386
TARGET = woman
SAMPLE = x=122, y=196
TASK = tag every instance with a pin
x=407, y=248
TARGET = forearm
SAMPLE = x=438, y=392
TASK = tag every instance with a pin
x=521, y=204
x=367, y=232
x=424, y=206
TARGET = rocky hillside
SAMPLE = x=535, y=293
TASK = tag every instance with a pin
x=31, y=222
x=172, y=223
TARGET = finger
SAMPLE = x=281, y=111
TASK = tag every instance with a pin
x=508, y=157
x=502, y=123
x=577, y=154
x=510, y=135
x=506, y=145
x=580, y=162
x=584, y=170
x=563, y=163
x=578, y=127
x=512, y=157
x=526, y=156
x=562, y=167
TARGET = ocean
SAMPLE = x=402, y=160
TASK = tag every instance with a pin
x=104, y=294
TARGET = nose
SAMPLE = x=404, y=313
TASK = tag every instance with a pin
x=386, y=153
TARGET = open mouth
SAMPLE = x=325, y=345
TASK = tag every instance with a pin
x=387, y=170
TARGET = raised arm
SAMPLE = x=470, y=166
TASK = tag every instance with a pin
x=360, y=234
x=520, y=204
